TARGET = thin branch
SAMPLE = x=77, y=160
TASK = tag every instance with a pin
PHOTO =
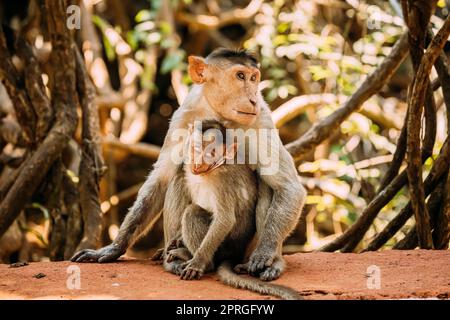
x=441, y=66
x=296, y=106
x=9, y=76
x=430, y=115
x=410, y=241
x=397, y=160
x=35, y=88
x=64, y=97
x=440, y=166
x=356, y=232
x=141, y=149
x=202, y=21
x=413, y=150
x=91, y=166
x=121, y=196
x=360, y=227
x=74, y=225
x=371, y=85
x=441, y=232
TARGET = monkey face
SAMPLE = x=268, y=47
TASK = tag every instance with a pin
x=205, y=161
x=230, y=88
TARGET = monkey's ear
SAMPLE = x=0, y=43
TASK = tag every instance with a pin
x=230, y=151
x=196, y=68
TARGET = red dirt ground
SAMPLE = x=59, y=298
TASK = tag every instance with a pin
x=403, y=274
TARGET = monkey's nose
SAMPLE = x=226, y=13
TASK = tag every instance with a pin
x=253, y=101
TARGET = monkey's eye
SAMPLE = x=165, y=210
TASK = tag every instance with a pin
x=240, y=75
x=253, y=78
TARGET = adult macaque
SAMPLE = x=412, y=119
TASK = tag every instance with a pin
x=226, y=90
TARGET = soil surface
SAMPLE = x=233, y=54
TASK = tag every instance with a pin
x=402, y=274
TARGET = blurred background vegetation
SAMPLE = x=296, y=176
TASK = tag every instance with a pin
x=315, y=51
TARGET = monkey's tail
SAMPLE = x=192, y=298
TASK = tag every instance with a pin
x=229, y=277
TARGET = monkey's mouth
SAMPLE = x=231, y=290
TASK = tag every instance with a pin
x=245, y=113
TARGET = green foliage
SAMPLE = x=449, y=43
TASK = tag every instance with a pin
x=172, y=61
x=285, y=32
x=102, y=25
x=149, y=31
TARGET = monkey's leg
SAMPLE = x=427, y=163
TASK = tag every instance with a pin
x=158, y=255
x=175, y=267
x=194, y=228
x=175, y=260
x=274, y=271
x=179, y=254
x=195, y=225
x=195, y=222
x=174, y=244
x=267, y=261
x=177, y=199
x=270, y=273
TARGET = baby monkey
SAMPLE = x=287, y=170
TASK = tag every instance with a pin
x=219, y=224
x=220, y=221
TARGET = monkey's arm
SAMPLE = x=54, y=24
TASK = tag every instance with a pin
x=148, y=205
x=277, y=212
x=222, y=223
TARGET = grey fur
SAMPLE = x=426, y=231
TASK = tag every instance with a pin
x=230, y=278
x=224, y=234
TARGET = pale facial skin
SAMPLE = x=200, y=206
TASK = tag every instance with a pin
x=231, y=90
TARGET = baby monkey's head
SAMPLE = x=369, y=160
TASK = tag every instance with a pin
x=208, y=148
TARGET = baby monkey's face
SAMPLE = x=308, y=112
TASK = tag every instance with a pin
x=208, y=152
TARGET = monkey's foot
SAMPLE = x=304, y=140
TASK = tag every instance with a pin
x=179, y=254
x=193, y=270
x=258, y=262
x=159, y=254
x=266, y=264
x=175, y=267
x=241, y=268
x=175, y=244
x=271, y=273
x=178, y=268
x=105, y=254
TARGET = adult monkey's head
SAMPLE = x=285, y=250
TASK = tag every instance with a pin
x=230, y=82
